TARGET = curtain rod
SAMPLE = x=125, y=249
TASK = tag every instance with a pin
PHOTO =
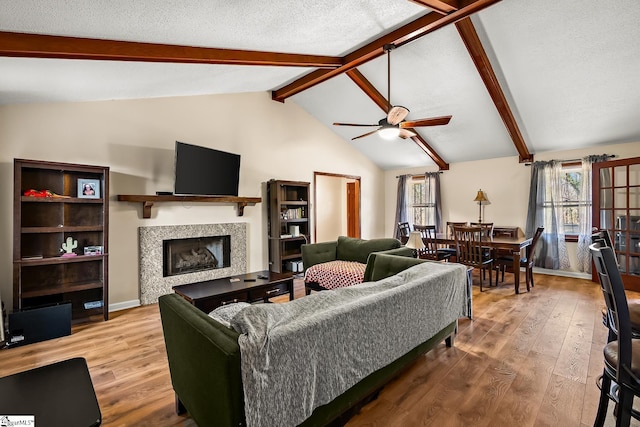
x=609, y=156
x=420, y=174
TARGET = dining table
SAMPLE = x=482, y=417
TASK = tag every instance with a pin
x=514, y=245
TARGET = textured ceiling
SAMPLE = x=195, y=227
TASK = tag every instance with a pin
x=569, y=70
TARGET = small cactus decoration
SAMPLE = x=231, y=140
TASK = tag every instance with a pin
x=68, y=247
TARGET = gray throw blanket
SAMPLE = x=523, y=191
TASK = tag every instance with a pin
x=302, y=354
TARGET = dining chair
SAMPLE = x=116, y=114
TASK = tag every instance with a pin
x=451, y=250
x=621, y=356
x=431, y=250
x=404, y=229
x=470, y=251
x=487, y=228
x=604, y=238
x=487, y=232
x=504, y=262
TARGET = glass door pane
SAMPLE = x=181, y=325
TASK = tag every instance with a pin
x=616, y=207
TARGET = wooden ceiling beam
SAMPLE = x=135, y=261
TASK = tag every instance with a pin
x=403, y=35
x=45, y=46
x=476, y=50
x=361, y=81
x=422, y=143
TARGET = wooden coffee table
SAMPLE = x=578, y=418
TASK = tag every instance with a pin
x=245, y=287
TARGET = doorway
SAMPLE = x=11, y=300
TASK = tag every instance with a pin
x=336, y=206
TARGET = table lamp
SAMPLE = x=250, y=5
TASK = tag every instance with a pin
x=415, y=242
x=480, y=197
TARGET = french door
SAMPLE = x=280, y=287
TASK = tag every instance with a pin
x=616, y=208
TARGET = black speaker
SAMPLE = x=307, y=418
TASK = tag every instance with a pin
x=39, y=324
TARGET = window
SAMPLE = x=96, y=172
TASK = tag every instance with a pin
x=570, y=185
x=422, y=201
x=569, y=182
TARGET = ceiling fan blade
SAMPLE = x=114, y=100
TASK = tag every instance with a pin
x=354, y=124
x=434, y=121
x=366, y=134
x=405, y=133
x=397, y=114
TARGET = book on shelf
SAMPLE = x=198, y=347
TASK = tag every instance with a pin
x=297, y=213
x=28, y=257
x=286, y=236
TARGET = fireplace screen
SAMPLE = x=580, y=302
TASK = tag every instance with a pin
x=189, y=255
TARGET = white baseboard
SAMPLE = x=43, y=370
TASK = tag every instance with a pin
x=563, y=273
x=124, y=305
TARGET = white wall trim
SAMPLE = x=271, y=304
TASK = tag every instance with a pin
x=124, y=305
x=563, y=273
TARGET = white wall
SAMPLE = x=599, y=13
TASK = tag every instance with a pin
x=504, y=180
x=136, y=139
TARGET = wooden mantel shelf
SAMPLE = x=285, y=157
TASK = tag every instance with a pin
x=148, y=201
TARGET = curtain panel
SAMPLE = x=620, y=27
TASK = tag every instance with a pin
x=585, y=212
x=433, y=187
x=401, y=203
x=544, y=198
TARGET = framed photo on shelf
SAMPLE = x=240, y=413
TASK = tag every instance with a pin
x=89, y=188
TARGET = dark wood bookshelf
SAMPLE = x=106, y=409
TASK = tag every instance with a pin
x=286, y=198
x=41, y=276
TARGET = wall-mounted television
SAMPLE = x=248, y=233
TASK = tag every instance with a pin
x=204, y=171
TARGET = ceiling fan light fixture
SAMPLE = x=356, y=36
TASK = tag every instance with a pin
x=394, y=124
x=390, y=132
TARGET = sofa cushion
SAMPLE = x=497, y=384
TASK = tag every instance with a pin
x=382, y=265
x=352, y=249
x=316, y=253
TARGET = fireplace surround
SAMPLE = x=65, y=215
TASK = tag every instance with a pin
x=152, y=281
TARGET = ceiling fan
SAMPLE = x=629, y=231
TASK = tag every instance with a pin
x=394, y=124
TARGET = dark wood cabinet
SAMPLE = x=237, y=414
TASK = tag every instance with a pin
x=506, y=231
x=55, y=215
x=289, y=229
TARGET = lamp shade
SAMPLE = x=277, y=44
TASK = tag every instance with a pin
x=415, y=241
x=481, y=197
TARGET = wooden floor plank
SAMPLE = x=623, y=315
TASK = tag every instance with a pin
x=562, y=403
x=573, y=360
x=525, y=360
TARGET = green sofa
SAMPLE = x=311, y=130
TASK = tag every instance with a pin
x=205, y=362
x=348, y=249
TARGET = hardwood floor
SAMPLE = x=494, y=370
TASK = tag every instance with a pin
x=525, y=360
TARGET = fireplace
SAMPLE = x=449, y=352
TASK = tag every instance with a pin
x=181, y=256
x=232, y=260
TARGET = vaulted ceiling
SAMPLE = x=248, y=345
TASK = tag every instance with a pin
x=518, y=77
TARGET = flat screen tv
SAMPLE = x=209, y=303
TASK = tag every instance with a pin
x=205, y=172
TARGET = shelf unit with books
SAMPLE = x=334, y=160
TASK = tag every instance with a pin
x=52, y=212
x=289, y=228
